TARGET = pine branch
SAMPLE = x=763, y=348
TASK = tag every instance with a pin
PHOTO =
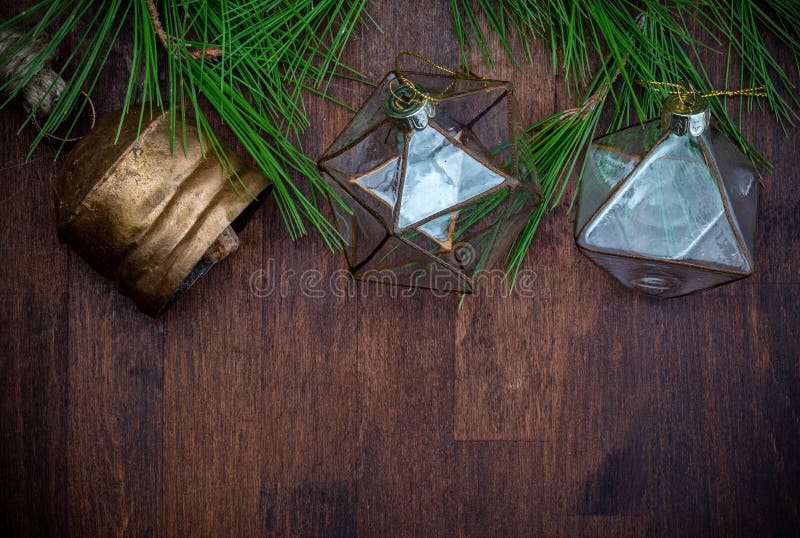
x=557, y=145
x=251, y=60
x=205, y=53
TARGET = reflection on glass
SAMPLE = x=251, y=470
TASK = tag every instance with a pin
x=439, y=175
x=670, y=208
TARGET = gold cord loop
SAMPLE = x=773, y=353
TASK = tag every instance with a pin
x=53, y=136
x=755, y=91
x=682, y=92
x=419, y=96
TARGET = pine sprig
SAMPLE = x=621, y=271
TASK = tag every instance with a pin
x=556, y=148
x=742, y=25
x=251, y=60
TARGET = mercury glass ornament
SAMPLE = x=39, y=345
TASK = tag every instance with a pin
x=431, y=190
x=669, y=208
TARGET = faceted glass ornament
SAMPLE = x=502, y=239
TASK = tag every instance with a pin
x=669, y=208
x=428, y=191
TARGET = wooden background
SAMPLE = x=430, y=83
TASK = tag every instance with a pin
x=584, y=410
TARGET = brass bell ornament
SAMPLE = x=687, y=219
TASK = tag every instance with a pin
x=431, y=180
x=152, y=219
x=669, y=208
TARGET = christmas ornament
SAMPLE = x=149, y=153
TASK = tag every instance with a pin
x=430, y=183
x=152, y=219
x=669, y=208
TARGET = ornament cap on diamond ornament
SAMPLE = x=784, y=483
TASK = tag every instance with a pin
x=669, y=208
x=431, y=190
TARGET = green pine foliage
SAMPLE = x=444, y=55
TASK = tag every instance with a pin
x=250, y=59
x=603, y=48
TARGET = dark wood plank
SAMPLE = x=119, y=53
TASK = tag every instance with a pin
x=34, y=327
x=114, y=411
x=115, y=402
x=406, y=437
x=33, y=423
x=213, y=404
x=310, y=377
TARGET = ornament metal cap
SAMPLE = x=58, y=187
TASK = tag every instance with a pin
x=405, y=103
x=686, y=113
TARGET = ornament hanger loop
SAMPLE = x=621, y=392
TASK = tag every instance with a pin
x=72, y=138
x=399, y=101
x=755, y=91
x=419, y=96
x=684, y=89
x=685, y=92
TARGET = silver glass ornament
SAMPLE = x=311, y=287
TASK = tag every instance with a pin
x=431, y=189
x=669, y=208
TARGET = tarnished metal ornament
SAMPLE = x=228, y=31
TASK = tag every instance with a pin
x=402, y=104
x=152, y=219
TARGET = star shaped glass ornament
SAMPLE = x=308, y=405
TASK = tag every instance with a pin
x=669, y=208
x=430, y=180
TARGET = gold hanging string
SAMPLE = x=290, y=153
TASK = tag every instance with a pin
x=53, y=136
x=755, y=91
x=682, y=92
x=417, y=95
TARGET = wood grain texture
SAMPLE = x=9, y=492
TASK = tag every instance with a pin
x=256, y=407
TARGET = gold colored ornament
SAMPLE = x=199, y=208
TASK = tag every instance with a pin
x=152, y=219
x=433, y=179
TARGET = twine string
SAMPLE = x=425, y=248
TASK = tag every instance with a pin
x=42, y=90
x=54, y=136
